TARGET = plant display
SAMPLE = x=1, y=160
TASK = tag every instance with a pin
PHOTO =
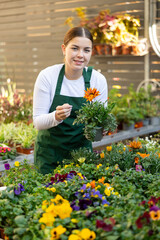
x=114, y=30
x=7, y=153
x=95, y=115
x=117, y=197
x=14, y=107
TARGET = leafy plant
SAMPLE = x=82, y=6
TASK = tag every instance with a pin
x=94, y=115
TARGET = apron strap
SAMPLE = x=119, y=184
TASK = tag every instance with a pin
x=86, y=75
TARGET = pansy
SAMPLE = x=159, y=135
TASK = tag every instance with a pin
x=7, y=166
x=56, y=232
x=87, y=234
x=16, y=163
x=19, y=189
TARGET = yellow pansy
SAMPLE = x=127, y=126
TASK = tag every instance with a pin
x=73, y=220
x=87, y=234
x=52, y=189
x=109, y=148
x=107, y=168
x=107, y=192
x=74, y=237
x=16, y=163
x=56, y=232
x=47, y=219
x=102, y=155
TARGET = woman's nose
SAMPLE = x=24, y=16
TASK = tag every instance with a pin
x=80, y=53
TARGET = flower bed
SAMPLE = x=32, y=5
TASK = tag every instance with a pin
x=113, y=194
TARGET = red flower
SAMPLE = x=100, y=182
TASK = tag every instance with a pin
x=143, y=220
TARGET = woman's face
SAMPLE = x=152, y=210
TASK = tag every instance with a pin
x=77, y=53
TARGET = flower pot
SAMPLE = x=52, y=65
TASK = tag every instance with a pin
x=117, y=50
x=99, y=134
x=154, y=121
x=126, y=50
x=107, y=49
x=127, y=126
x=138, y=124
x=27, y=150
x=145, y=122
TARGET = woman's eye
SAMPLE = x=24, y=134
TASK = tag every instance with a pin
x=87, y=50
x=74, y=48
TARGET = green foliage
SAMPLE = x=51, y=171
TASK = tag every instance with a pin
x=94, y=115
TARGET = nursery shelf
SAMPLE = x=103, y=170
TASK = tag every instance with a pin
x=124, y=135
x=120, y=136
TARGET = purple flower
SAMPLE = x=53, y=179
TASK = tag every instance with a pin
x=19, y=189
x=7, y=166
x=105, y=202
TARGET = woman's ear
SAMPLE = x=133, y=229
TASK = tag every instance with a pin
x=63, y=49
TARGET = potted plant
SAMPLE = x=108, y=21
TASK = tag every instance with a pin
x=112, y=34
x=96, y=116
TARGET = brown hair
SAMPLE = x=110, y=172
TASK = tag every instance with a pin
x=77, y=32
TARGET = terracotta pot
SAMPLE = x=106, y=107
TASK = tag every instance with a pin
x=27, y=150
x=116, y=50
x=107, y=49
x=138, y=124
x=19, y=148
x=99, y=49
x=126, y=50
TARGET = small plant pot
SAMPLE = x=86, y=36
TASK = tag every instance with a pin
x=154, y=121
x=99, y=134
x=138, y=124
x=127, y=126
x=145, y=122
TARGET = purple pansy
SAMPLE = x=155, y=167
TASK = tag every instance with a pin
x=19, y=189
x=7, y=166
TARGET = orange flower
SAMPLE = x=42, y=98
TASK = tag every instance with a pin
x=143, y=155
x=155, y=215
x=93, y=184
x=90, y=94
x=135, y=145
x=159, y=155
x=136, y=159
x=102, y=155
x=101, y=180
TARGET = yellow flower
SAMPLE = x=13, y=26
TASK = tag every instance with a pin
x=73, y=220
x=107, y=168
x=81, y=160
x=64, y=210
x=109, y=148
x=124, y=149
x=102, y=155
x=80, y=174
x=107, y=192
x=52, y=189
x=87, y=234
x=47, y=219
x=99, y=166
x=56, y=232
x=155, y=215
x=66, y=166
x=74, y=237
x=16, y=163
x=88, y=185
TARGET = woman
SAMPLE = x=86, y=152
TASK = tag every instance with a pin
x=58, y=93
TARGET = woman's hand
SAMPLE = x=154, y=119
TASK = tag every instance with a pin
x=62, y=112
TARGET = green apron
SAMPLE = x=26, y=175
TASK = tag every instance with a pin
x=55, y=144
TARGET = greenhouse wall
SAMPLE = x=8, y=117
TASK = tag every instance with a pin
x=31, y=34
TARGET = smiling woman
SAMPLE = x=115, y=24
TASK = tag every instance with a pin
x=58, y=94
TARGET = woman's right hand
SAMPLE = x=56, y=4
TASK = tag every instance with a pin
x=63, y=111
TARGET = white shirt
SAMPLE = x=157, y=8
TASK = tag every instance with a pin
x=44, y=91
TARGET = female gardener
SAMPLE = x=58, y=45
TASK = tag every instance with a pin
x=58, y=93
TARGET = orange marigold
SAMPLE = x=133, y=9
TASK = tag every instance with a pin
x=135, y=145
x=90, y=94
x=143, y=155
